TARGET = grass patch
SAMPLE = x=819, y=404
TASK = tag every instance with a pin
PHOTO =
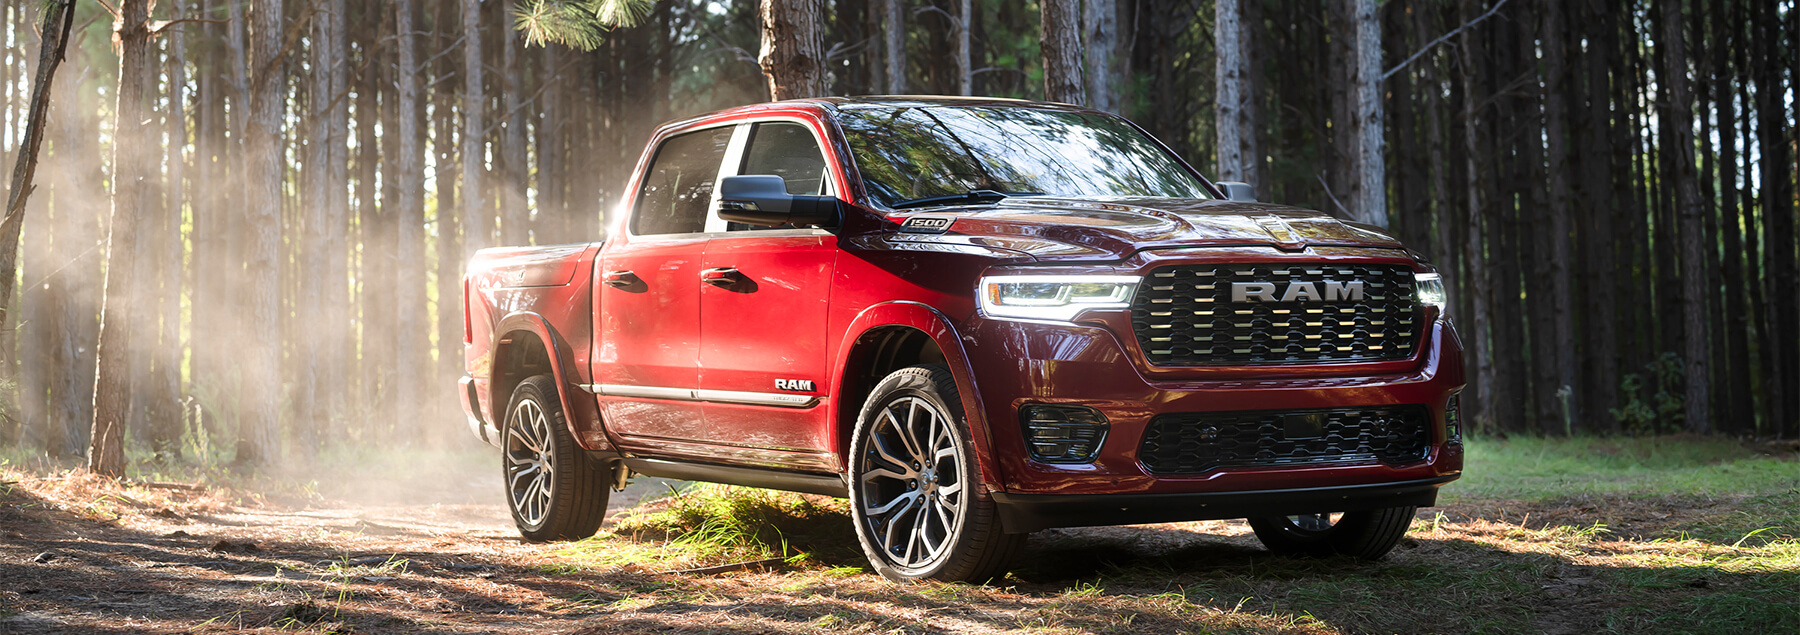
x=707, y=525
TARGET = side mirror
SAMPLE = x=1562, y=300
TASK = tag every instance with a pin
x=1238, y=191
x=763, y=200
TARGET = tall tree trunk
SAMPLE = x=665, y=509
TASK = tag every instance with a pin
x=1777, y=201
x=59, y=17
x=40, y=364
x=1738, y=412
x=965, y=62
x=514, y=215
x=313, y=335
x=476, y=234
x=1562, y=194
x=1371, y=168
x=1232, y=103
x=261, y=362
x=1474, y=260
x=793, y=48
x=1600, y=245
x=334, y=386
x=449, y=241
x=1060, y=40
x=133, y=168
x=1341, y=60
x=893, y=45
x=164, y=393
x=1101, y=37
x=409, y=250
x=1678, y=146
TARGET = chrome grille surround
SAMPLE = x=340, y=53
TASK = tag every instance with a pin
x=1184, y=315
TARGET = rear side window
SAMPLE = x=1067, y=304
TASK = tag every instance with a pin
x=789, y=151
x=679, y=186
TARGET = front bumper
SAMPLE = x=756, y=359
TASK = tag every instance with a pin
x=1095, y=363
x=1021, y=513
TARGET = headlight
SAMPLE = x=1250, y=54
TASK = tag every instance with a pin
x=1430, y=287
x=1058, y=298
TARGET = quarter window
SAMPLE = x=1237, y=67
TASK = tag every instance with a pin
x=678, y=187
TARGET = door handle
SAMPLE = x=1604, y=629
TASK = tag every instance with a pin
x=720, y=276
x=618, y=279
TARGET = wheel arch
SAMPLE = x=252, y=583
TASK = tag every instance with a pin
x=525, y=344
x=894, y=335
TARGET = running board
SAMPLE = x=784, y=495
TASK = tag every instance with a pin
x=822, y=484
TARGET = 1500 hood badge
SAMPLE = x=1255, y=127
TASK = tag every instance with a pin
x=1297, y=292
x=927, y=224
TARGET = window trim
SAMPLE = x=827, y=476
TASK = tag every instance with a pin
x=735, y=144
x=739, y=153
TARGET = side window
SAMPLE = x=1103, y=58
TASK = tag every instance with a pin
x=789, y=151
x=679, y=185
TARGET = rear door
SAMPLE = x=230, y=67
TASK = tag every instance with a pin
x=647, y=283
x=763, y=357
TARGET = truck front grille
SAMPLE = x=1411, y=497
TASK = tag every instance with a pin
x=1192, y=443
x=1187, y=315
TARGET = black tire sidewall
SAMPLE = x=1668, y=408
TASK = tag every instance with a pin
x=1368, y=535
x=926, y=383
x=563, y=521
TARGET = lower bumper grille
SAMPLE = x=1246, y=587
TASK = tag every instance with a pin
x=1197, y=442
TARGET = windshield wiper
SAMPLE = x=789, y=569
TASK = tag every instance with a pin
x=971, y=196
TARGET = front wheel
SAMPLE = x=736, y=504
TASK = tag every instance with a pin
x=1367, y=535
x=555, y=491
x=921, y=511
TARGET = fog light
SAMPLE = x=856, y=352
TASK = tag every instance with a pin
x=1063, y=434
x=1453, y=420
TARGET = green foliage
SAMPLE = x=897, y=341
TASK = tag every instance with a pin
x=577, y=23
x=1660, y=411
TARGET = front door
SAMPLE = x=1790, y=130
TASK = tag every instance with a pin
x=764, y=367
x=647, y=292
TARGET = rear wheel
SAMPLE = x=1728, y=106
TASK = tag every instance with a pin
x=921, y=511
x=1368, y=535
x=555, y=491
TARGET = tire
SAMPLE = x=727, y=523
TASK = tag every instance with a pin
x=920, y=509
x=554, y=490
x=1367, y=535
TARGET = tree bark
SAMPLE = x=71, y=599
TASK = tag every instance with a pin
x=133, y=168
x=476, y=233
x=1562, y=194
x=1231, y=103
x=1101, y=37
x=1600, y=250
x=1371, y=167
x=514, y=215
x=893, y=45
x=1060, y=40
x=1678, y=137
x=1474, y=266
x=261, y=321
x=965, y=63
x=59, y=18
x=409, y=247
x=164, y=393
x=793, y=48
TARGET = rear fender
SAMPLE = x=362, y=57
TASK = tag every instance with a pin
x=937, y=326
x=583, y=414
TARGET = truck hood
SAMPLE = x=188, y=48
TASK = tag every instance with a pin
x=1070, y=229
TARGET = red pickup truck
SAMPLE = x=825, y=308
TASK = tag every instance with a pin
x=975, y=318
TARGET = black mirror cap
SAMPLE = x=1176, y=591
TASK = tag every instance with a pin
x=762, y=200
x=1238, y=191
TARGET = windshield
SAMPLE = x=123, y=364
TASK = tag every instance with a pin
x=911, y=153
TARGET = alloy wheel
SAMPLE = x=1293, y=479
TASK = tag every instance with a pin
x=912, y=490
x=530, y=462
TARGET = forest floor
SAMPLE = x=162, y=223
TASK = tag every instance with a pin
x=1665, y=535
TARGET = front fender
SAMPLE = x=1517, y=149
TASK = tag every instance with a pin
x=938, y=327
x=582, y=413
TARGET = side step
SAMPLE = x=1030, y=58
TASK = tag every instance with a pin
x=822, y=484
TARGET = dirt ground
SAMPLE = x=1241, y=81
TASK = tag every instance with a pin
x=79, y=554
